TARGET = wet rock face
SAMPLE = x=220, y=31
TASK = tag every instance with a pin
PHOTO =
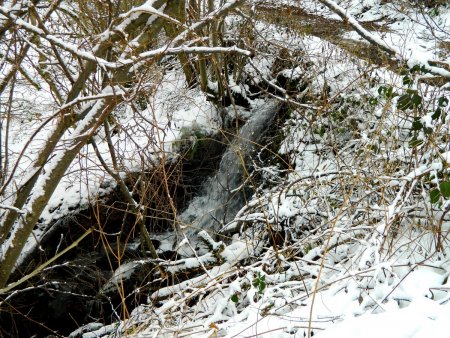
x=56, y=305
x=73, y=291
x=66, y=294
x=77, y=290
x=81, y=286
x=224, y=193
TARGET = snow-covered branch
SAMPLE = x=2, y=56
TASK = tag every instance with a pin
x=373, y=39
x=170, y=49
x=58, y=42
x=430, y=65
x=9, y=207
x=149, y=9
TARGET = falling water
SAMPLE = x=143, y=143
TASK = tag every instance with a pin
x=224, y=193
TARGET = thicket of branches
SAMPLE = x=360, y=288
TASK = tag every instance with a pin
x=379, y=150
x=93, y=57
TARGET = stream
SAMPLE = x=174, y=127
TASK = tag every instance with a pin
x=67, y=296
x=224, y=194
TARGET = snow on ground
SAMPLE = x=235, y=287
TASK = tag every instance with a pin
x=418, y=33
x=375, y=274
x=139, y=142
x=355, y=265
x=390, y=299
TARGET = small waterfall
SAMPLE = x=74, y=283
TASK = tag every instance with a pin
x=224, y=193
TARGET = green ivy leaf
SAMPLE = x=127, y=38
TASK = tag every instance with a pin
x=404, y=71
x=415, y=69
x=407, y=80
x=409, y=100
x=444, y=187
x=437, y=114
x=416, y=100
x=404, y=102
x=260, y=283
x=417, y=125
x=390, y=92
x=434, y=196
x=442, y=101
x=427, y=130
x=386, y=92
x=234, y=298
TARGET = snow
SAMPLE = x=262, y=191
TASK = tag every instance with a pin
x=65, y=45
x=373, y=293
x=340, y=312
x=121, y=274
x=354, y=206
x=371, y=37
x=422, y=318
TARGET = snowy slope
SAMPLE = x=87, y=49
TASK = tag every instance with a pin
x=348, y=237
